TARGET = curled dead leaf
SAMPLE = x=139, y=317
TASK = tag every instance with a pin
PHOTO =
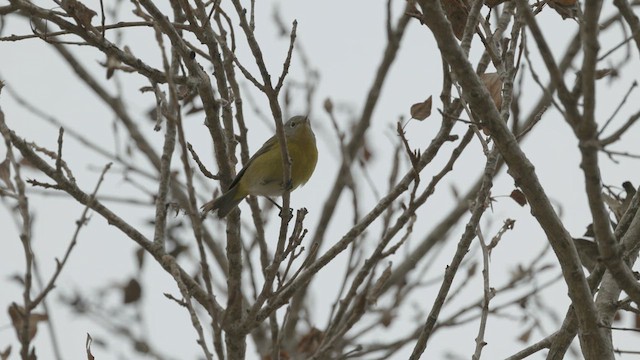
x=524, y=337
x=139, y=254
x=132, y=292
x=87, y=346
x=618, y=316
x=519, y=197
x=111, y=64
x=4, y=355
x=565, y=2
x=492, y=3
x=16, y=313
x=457, y=12
x=309, y=343
x=79, y=11
x=328, y=106
x=494, y=85
x=567, y=9
x=421, y=110
x=283, y=355
x=386, y=318
x=485, y=129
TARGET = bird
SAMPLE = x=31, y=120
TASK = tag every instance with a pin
x=262, y=174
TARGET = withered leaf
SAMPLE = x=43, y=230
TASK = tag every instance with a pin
x=328, y=106
x=310, y=342
x=492, y=3
x=111, y=64
x=457, y=12
x=79, y=11
x=283, y=355
x=386, y=318
x=140, y=257
x=367, y=153
x=524, y=337
x=564, y=2
x=421, y=110
x=87, y=346
x=132, y=292
x=4, y=355
x=617, y=317
x=567, y=9
x=16, y=313
x=519, y=197
x=473, y=267
x=493, y=83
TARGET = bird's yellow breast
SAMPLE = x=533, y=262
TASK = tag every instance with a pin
x=264, y=175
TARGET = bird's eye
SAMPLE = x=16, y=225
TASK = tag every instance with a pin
x=293, y=124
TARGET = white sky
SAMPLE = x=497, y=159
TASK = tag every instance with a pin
x=344, y=41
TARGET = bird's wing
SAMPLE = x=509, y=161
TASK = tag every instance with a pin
x=265, y=147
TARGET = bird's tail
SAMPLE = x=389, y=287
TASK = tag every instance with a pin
x=225, y=203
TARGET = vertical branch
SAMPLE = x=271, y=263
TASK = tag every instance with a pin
x=589, y=146
x=632, y=19
x=521, y=169
x=488, y=293
x=463, y=248
x=25, y=239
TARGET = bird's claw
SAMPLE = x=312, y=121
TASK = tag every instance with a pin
x=290, y=212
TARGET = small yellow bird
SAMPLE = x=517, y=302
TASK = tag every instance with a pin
x=262, y=175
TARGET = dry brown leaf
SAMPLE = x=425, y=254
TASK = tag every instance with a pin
x=617, y=317
x=367, y=153
x=567, y=9
x=485, y=129
x=492, y=3
x=132, y=292
x=421, y=110
x=328, y=106
x=79, y=11
x=524, y=337
x=493, y=83
x=519, y=197
x=87, y=346
x=565, y=2
x=387, y=318
x=140, y=257
x=457, y=12
x=111, y=64
x=472, y=269
x=16, y=313
x=309, y=343
x=283, y=356
x=4, y=355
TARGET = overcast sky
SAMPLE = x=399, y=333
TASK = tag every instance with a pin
x=344, y=41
